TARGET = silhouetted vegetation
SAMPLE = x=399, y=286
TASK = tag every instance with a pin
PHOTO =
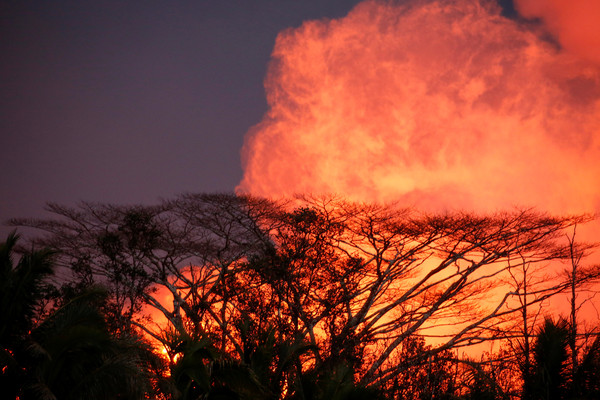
x=232, y=297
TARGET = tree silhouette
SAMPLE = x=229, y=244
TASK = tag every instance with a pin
x=22, y=289
x=549, y=378
x=75, y=356
x=69, y=352
x=586, y=382
x=354, y=284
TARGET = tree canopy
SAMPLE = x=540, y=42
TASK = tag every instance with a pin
x=296, y=297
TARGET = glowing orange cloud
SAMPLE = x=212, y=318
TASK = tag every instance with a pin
x=444, y=104
x=574, y=23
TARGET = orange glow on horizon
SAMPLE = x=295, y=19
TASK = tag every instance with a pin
x=441, y=105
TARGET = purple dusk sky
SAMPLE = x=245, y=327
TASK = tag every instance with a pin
x=129, y=102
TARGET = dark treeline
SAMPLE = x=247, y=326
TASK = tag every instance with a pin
x=216, y=296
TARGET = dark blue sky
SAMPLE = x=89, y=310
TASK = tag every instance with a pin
x=127, y=102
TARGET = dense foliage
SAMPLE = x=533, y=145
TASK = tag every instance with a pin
x=311, y=298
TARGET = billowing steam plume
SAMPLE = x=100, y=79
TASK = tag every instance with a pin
x=442, y=104
x=575, y=24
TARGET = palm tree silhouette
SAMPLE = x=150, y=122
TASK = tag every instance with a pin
x=69, y=354
x=21, y=292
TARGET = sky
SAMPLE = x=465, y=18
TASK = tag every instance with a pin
x=129, y=102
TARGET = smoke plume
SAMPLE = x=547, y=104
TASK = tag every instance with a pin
x=442, y=104
x=574, y=24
